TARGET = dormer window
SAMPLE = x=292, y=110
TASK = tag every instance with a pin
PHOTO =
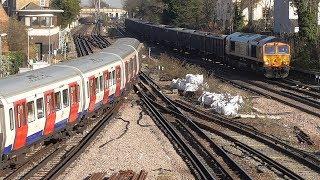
x=42, y=3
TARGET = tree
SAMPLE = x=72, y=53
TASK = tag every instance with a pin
x=209, y=11
x=71, y=10
x=185, y=13
x=16, y=59
x=150, y=10
x=17, y=35
x=307, y=11
x=238, y=22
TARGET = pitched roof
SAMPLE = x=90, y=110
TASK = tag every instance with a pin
x=31, y=6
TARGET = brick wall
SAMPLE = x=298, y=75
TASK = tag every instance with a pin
x=4, y=21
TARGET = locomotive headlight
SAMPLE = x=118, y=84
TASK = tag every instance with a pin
x=286, y=63
x=267, y=62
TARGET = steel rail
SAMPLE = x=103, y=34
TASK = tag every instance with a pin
x=218, y=150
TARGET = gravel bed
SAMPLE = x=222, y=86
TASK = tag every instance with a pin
x=131, y=141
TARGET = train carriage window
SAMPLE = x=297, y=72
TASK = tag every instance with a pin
x=106, y=80
x=113, y=77
x=233, y=46
x=31, y=111
x=52, y=104
x=73, y=95
x=254, y=51
x=21, y=114
x=92, y=87
x=58, y=100
x=101, y=83
x=97, y=85
x=110, y=79
x=88, y=89
x=11, y=119
x=118, y=75
x=40, y=108
x=78, y=93
x=65, y=98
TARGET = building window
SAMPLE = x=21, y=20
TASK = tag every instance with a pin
x=34, y=21
x=27, y=21
x=4, y=3
x=42, y=2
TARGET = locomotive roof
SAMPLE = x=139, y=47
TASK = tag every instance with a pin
x=252, y=38
x=26, y=81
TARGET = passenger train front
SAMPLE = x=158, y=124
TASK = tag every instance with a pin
x=40, y=104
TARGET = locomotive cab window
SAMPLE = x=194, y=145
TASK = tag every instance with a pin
x=283, y=50
x=40, y=108
x=270, y=49
x=31, y=112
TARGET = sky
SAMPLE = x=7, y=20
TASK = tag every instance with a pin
x=113, y=3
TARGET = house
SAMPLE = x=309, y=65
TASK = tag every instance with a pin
x=4, y=21
x=285, y=17
x=12, y=5
x=41, y=23
x=252, y=10
x=279, y=14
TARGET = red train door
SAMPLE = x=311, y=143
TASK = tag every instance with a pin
x=21, y=124
x=74, y=103
x=92, y=89
x=106, y=87
x=118, y=76
x=50, y=112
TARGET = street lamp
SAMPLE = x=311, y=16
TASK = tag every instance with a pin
x=30, y=29
x=1, y=35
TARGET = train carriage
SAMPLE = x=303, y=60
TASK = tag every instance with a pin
x=39, y=104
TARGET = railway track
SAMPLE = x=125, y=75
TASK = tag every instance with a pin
x=280, y=158
x=303, y=100
x=88, y=38
x=292, y=93
x=50, y=161
x=205, y=164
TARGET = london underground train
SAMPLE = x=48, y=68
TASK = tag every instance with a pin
x=41, y=104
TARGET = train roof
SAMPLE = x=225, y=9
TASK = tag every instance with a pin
x=26, y=81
